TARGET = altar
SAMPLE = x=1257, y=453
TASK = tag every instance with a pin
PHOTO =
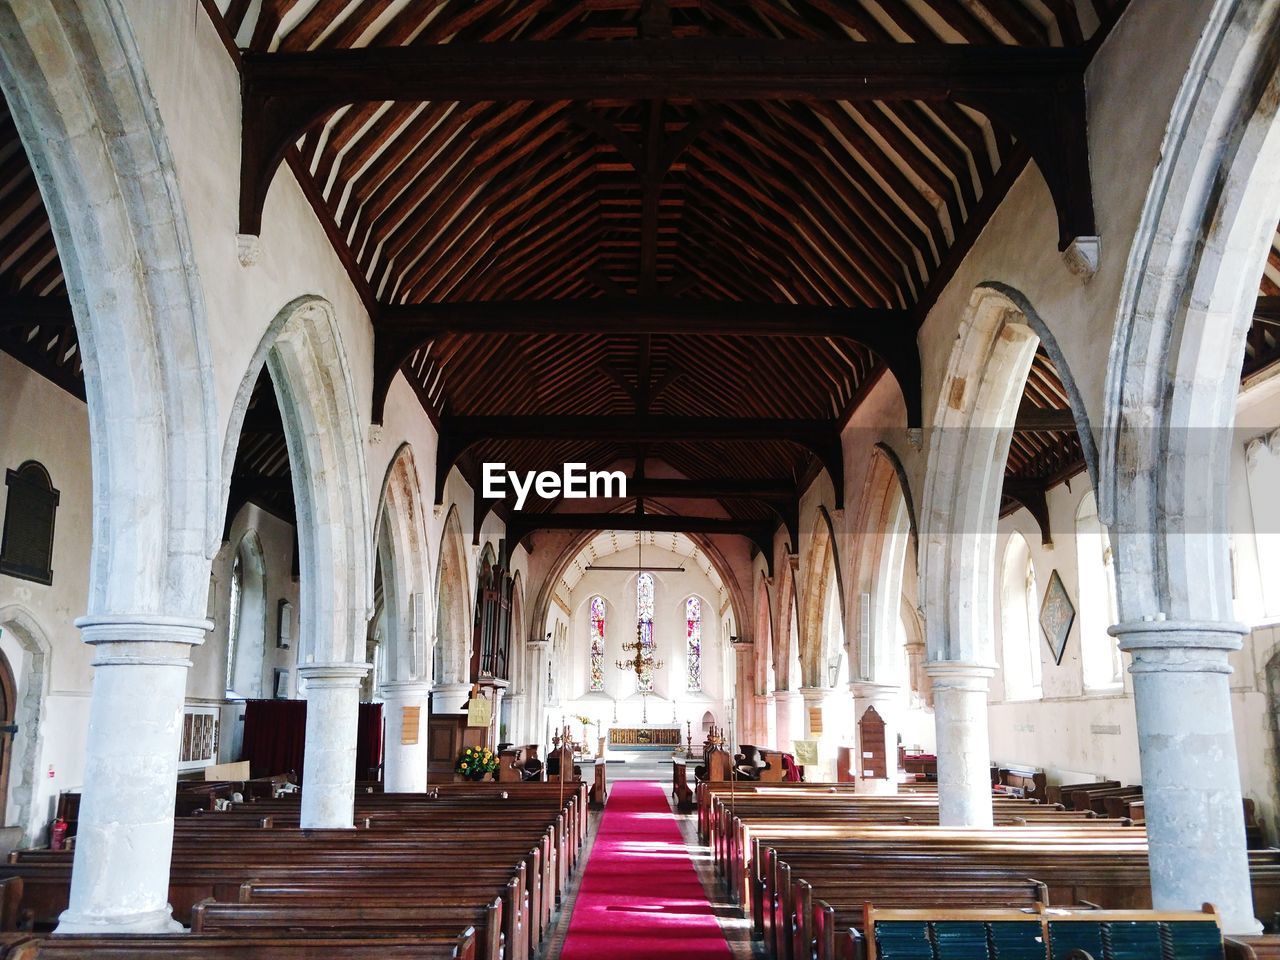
x=668, y=737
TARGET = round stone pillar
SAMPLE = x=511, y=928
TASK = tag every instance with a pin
x=1190, y=773
x=789, y=722
x=329, y=766
x=816, y=699
x=405, y=764
x=884, y=698
x=120, y=876
x=964, y=748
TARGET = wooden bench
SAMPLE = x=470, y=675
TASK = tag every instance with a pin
x=358, y=916
x=1036, y=935
x=180, y=946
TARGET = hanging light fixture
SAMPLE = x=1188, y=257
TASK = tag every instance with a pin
x=643, y=661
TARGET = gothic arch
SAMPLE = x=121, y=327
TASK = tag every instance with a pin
x=33, y=674
x=453, y=603
x=1185, y=309
x=823, y=569
x=738, y=603
x=302, y=350
x=1172, y=381
x=884, y=532
x=972, y=427
x=406, y=571
x=80, y=99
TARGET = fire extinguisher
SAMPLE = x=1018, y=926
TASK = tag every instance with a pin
x=58, y=836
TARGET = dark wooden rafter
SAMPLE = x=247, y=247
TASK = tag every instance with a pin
x=400, y=330
x=521, y=525
x=1035, y=94
x=818, y=437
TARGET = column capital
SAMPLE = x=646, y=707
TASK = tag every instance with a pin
x=124, y=639
x=874, y=692
x=1179, y=646
x=959, y=674
x=815, y=694
x=404, y=689
x=332, y=675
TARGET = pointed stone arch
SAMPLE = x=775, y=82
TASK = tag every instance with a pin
x=406, y=570
x=1171, y=387
x=453, y=609
x=79, y=96
x=822, y=574
x=303, y=353
x=884, y=544
x=969, y=446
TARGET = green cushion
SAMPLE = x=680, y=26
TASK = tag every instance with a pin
x=903, y=940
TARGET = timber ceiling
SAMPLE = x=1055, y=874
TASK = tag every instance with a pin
x=751, y=206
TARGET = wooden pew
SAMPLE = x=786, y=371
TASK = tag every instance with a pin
x=327, y=918
x=180, y=946
x=1058, y=935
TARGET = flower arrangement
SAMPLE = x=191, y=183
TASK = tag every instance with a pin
x=475, y=763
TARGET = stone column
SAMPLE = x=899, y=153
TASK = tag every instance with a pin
x=450, y=697
x=964, y=748
x=789, y=726
x=120, y=877
x=884, y=697
x=329, y=767
x=1190, y=774
x=405, y=769
x=516, y=712
x=744, y=694
x=816, y=699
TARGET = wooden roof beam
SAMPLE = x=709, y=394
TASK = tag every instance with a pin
x=521, y=525
x=820, y=437
x=399, y=330
x=1035, y=94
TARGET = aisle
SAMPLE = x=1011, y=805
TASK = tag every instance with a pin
x=640, y=898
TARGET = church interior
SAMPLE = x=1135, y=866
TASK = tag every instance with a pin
x=920, y=364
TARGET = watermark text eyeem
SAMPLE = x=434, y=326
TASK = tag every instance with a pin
x=573, y=482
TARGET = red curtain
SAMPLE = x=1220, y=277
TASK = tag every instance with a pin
x=274, y=733
x=275, y=737
x=369, y=742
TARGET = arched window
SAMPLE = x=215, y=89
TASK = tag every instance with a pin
x=1099, y=653
x=26, y=550
x=1019, y=622
x=693, y=641
x=597, y=644
x=644, y=621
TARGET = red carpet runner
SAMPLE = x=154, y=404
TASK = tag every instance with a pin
x=640, y=897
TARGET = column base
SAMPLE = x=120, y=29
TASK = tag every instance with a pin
x=153, y=921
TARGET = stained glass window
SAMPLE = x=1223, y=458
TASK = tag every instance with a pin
x=693, y=639
x=597, y=644
x=644, y=616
